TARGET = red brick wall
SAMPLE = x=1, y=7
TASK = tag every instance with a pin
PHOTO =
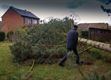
x=11, y=21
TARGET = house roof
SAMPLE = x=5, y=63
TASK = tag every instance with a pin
x=24, y=13
x=86, y=26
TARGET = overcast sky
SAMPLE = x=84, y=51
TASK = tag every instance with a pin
x=86, y=11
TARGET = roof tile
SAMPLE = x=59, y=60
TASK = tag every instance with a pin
x=24, y=13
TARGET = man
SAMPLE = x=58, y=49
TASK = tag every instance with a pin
x=72, y=42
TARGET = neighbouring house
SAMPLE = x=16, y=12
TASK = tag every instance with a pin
x=97, y=31
x=86, y=26
x=103, y=35
x=15, y=18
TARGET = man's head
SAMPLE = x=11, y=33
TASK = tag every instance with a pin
x=75, y=27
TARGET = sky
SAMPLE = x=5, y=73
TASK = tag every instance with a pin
x=85, y=11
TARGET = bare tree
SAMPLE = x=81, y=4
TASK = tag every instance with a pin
x=107, y=10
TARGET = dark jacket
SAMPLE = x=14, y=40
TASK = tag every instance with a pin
x=72, y=39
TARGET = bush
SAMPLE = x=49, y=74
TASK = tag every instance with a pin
x=84, y=34
x=23, y=49
x=2, y=36
x=43, y=42
x=95, y=53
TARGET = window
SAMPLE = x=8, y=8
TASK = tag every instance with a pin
x=34, y=21
x=27, y=21
x=30, y=21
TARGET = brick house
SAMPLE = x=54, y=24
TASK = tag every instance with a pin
x=97, y=31
x=15, y=18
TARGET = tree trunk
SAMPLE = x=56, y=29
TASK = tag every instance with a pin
x=96, y=44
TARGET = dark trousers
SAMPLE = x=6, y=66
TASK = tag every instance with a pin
x=66, y=56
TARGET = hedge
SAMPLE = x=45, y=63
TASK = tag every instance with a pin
x=2, y=36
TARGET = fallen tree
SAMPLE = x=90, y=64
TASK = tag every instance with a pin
x=96, y=44
x=44, y=42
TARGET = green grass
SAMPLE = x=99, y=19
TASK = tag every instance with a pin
x=14, y=71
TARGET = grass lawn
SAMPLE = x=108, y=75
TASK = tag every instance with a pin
x=14, y=71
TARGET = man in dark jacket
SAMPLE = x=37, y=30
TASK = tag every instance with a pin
x=72, y=42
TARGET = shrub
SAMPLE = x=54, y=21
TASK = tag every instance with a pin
x=106, y=57
x=95, y=53
x=42, y=42
x=84, y=34
x=2, y=36
x=21, y=51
